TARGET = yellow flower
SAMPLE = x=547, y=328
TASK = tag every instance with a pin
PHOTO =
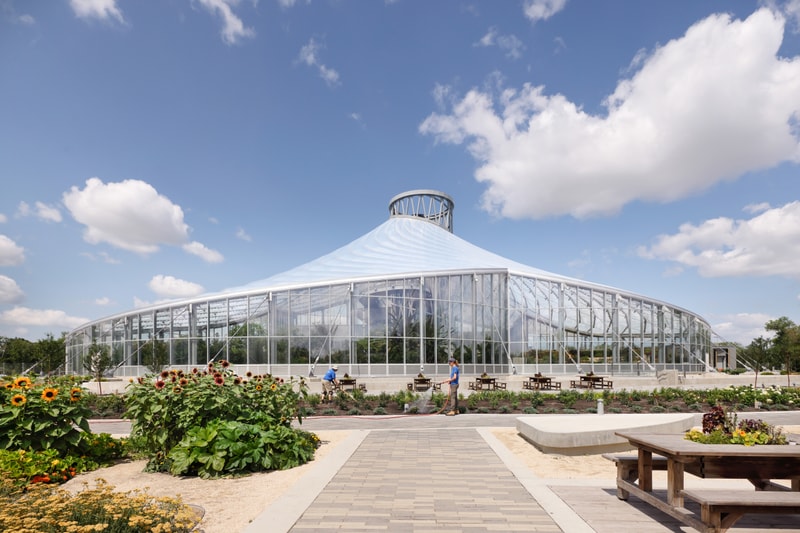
x=22, y=382
x=49, y=394
x=273, y=387
x=18, y=399
x=75, y=394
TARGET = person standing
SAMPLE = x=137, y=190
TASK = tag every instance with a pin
x=453, y=381
x=328, y=382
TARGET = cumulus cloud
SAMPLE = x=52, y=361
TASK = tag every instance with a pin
x=542, y=9
x=766, y=245
x=105, y=10
x=131, y=215
x=103, y=301
x=11, y=254
x=510, y=44
x=204, y=253
x=24, y=316
x=41, y=211
x=10, y=293
x=170, y=287
x=709, y=106
x=741, y=327
x=233, y=29
x=309, y=55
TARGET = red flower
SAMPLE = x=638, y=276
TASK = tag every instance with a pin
x=219, y=380
x=224, y=363
x=160, y=384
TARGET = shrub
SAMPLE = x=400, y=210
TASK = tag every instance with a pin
x=167, y=409
x=530, y=411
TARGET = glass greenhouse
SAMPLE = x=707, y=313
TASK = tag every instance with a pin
x=399, y=300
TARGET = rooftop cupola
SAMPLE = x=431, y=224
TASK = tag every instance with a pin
x=433, y=206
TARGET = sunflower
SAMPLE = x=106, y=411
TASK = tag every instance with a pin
x=237, y=381
x=177, y=389
x=22, y=382
x=183, y=382
x=258, y=387
x=224, y=363
x=164, y=374
x=160, y=384
x=273, y=387
x=75, y=394
x=219, y=380
x=9, y=385
x=49, y=394
x=18, y=399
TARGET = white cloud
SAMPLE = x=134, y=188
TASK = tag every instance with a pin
x=792, y=11
x=204, y=253
x=741, y=327
x=309, y=56
x=170, y=287
x=42, y=211
x=26, y=317
x=233, y=29
x=3, y=218
x=10, y=293
x=707, y=107
x=512, y=46
x=542, y=9
x=242, y=234
x=131, y=215
x=103, y=301
x=98, y=9
x=11, y=254
x=766, y=245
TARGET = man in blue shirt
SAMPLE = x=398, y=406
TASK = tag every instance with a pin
x=328, y=382
x=453, y=381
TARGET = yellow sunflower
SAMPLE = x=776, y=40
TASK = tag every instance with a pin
x=75, y=394
x=49, y=394
x=22, y=382
x=273, y=387
x=18, y=399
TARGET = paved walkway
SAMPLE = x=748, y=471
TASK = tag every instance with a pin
x=420, y=474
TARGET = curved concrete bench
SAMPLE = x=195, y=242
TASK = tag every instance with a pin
x=593, y=434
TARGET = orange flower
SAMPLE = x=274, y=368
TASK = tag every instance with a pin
x=18, y=399
x=49, y=394
x=22, y=382
x=75, y=394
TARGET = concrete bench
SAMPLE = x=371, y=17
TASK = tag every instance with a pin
x=628, y=468
x=720, y=509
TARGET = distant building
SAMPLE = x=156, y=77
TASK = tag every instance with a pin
x=401, y=299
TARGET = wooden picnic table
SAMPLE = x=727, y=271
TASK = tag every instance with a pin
x=487, y=383
x=541, y=383
x=423, y=384
x=591, y=382
x=350, y=384
x=759, y=464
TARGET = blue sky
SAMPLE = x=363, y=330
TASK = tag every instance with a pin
x=163, y=149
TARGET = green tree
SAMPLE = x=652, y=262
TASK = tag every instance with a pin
x=97, y=362
x=50, y=354
x=155, y=355
x=785, y=343
x=758, y=353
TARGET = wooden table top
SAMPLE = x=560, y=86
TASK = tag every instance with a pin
x=676, y=445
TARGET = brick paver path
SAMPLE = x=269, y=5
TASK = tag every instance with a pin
x=419, y=481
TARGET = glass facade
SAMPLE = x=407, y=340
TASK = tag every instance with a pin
x=492, y=321
x=401, y=300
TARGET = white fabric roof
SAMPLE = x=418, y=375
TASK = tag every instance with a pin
x=401, y=245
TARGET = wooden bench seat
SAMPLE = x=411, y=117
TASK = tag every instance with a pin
x=720, y=509
x=628, y=468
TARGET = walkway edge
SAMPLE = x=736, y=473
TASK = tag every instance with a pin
x=561, y=513
x=282, y=514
